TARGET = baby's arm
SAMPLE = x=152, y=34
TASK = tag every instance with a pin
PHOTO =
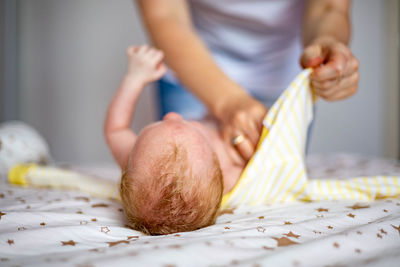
x=144, y=66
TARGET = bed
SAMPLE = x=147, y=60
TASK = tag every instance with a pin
x=42, y=227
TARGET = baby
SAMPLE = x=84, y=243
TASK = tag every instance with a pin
x=175, y=172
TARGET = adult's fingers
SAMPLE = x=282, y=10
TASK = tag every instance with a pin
x=245, y=125
x=343, y=94
x=245, y=148
x=242, y=151
x=233, y=153
x=343, y=81
x=340, y=90
x=351, y=66
x=312, y=56
x=335, y=65
x=242, y=115
x=247, y=119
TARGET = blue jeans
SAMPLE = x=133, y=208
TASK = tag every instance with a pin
x=173, y=97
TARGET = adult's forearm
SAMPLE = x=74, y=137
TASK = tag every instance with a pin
x=326, y=19
x=189, y=58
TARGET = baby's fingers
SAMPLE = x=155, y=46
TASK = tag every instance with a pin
x=160, y=71
x=156, y=57
x=142, y=50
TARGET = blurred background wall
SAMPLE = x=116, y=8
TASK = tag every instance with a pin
x=70, y=58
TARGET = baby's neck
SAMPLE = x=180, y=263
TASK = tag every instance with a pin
x=231, y=171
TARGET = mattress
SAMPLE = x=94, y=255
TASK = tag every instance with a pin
x=43, y=227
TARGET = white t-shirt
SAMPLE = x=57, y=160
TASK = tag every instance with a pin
x=257, y=43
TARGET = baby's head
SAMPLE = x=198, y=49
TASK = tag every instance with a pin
x=173, y=180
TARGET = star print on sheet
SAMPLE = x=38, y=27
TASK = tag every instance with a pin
x=284, y=241
x=68, y=243
x=176, y=246
x=111, y=244
x=104, y=229
x=267, y=248
x=322, y=209
x=351, y=215
x=10, y=241
x=21, y=200
x=100, y=205
x=396, y=227
x=358, y=206
x=291, y=234
x=1, y=214
x=86, y=199
x=225, y=211
x=260, y=229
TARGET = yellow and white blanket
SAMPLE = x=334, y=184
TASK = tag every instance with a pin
x=275, y=173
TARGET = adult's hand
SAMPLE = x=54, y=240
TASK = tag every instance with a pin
x=335, y=74
x=241, y=125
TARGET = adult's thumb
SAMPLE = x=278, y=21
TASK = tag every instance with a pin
x=312, y=56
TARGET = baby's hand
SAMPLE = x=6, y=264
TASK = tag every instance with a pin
x=145, y=63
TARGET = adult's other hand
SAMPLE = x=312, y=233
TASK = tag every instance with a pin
x=335, y=74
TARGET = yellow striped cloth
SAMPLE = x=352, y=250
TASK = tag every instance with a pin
x=277, y=171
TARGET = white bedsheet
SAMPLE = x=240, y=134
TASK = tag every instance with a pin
x=64, y=228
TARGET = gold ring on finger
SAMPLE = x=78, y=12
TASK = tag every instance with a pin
x=237, y=139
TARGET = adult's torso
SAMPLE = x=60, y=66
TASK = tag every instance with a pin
x=256, y=42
